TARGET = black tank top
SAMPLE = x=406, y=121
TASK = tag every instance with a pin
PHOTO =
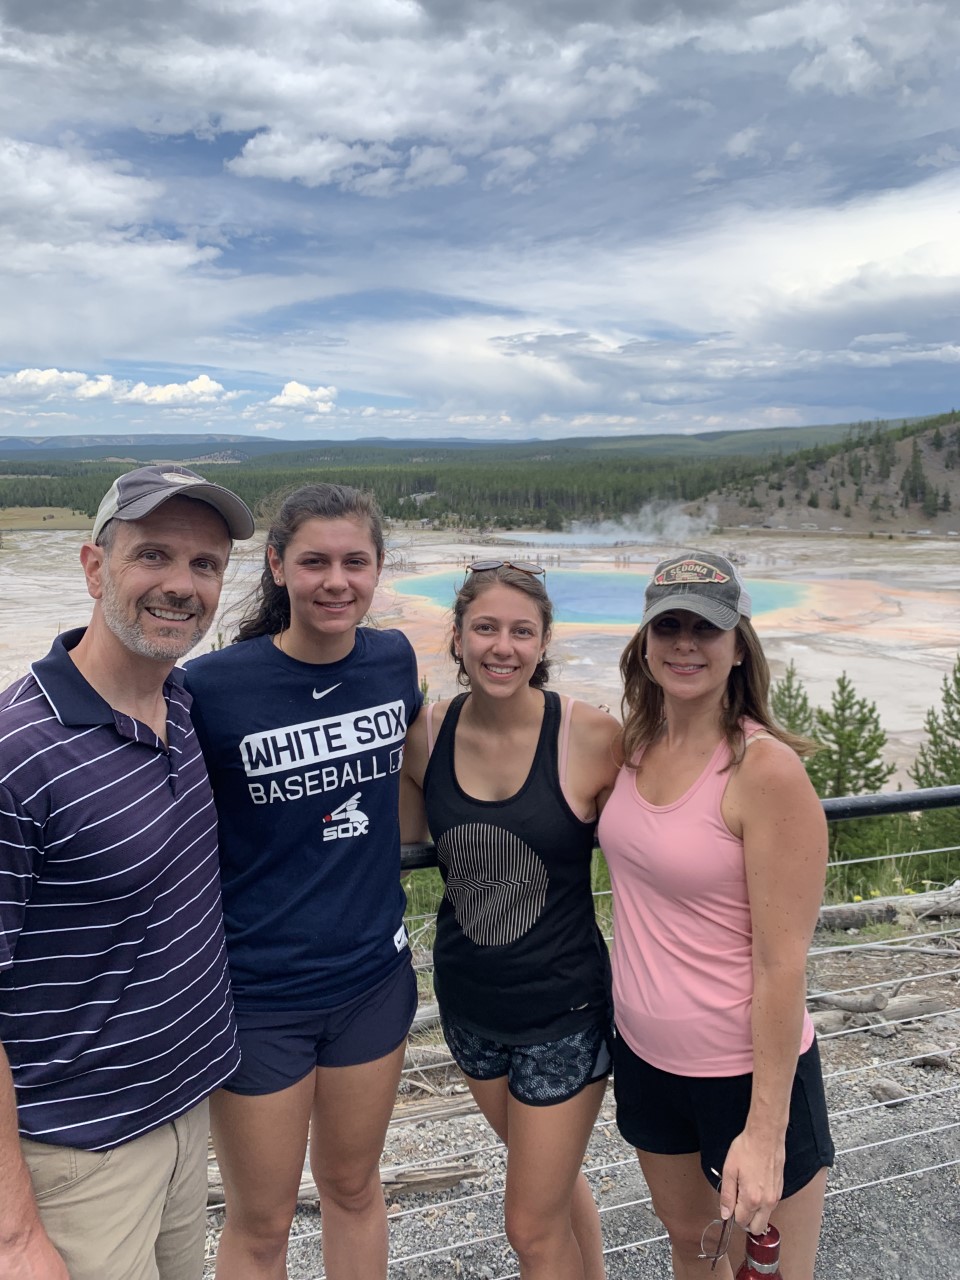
x=518, y=956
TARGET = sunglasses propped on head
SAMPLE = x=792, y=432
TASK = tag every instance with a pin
x=522, y=566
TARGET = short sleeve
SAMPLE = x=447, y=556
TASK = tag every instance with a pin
x=21, y=857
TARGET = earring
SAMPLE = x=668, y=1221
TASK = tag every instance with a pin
x=739, y=662
x=646, y=657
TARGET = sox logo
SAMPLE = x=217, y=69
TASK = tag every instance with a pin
x=348, y=820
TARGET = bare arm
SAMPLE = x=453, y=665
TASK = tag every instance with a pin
x=591, y=763
x=785, y=853
x=25, y=1249
x=413, y=817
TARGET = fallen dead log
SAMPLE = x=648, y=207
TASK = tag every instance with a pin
x=898, y=1010
x=427, y=1015
x=935, y=905
x=872, y=1002
x=854, y=916
x=879, y=1014
x=405, y=1180
x=438, y=1177
x=827, y=1021
x=904, y=1008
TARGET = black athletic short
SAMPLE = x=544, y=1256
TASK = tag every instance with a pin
x=278, y=1049
x=674, y=1115
x=539, y=1075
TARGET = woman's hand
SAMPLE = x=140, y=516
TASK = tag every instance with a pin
x=752, y=1181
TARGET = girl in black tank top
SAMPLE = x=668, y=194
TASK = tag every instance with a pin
x=521, y=971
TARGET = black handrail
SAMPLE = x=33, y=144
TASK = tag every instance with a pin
x=414, y=857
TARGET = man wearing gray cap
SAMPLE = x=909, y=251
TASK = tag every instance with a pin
x=116, y=1021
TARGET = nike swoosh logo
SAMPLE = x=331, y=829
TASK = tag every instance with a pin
x=318, y=696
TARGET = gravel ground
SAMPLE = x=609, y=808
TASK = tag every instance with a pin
x=901, y=1225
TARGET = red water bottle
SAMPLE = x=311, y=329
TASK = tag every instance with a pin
x=763, y=1257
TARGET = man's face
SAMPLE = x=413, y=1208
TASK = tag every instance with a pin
x=158, y=584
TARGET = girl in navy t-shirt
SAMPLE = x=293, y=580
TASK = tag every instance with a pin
x=302, y=724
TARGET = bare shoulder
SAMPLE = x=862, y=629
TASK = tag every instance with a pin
x=593, y=753
x=771, y=785
x=769, y=762
x=592, y=725
x=416, y=751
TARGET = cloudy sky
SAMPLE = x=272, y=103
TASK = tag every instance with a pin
x=422, y=218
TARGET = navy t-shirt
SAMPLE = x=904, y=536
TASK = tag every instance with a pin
x=305, y=761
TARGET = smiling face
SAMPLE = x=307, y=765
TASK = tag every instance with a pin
x=501, y=640
x=330, y=569
x=688, y=656
x=157, y=580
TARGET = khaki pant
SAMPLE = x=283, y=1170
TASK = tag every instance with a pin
x=137, y=1212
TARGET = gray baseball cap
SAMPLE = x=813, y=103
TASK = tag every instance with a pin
x=701, y=583
x=136, y=494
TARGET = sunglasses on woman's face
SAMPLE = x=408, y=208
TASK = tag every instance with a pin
x=522, y=566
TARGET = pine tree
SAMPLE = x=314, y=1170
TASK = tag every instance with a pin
x=937, y=764
x=851, y=763
x=790, y=704
x=852, y=738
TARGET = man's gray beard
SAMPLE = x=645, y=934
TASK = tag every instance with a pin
x=131, y=634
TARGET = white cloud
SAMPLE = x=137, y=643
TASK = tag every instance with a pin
x=312, y=161
x=180, y=190
x=743, y=143
x=51, y=383
x=571, y=142
x=39, y=383
x=200, y=390
x=507, y=165
x=295, y=395
x=433, y=167
x=841, y=69
x=878, y=339
x=100, y=387
x=945, y=156
x=57, y=191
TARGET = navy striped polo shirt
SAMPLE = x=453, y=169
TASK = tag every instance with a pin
x=115, y=1006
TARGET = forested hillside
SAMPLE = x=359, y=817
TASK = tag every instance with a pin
x=873, y=475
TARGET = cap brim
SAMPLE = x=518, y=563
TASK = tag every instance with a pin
x=234, y=510
x=721, y=615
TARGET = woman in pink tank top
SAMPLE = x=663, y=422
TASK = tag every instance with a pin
x=717, y=846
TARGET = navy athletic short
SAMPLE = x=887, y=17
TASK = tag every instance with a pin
x=539, y=1075
x=673, y=1115
x=278, y=1049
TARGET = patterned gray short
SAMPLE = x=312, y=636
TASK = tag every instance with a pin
x=537, y=1074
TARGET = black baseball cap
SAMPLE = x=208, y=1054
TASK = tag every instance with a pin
x=135, y=494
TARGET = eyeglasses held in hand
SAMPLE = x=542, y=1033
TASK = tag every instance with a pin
x=716, y=1240
x=522, y=566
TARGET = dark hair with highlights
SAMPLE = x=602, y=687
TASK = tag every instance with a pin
x=747, y=697
x=270, y=611
x=480, y=580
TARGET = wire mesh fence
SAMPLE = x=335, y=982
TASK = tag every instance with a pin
x=886, y=1001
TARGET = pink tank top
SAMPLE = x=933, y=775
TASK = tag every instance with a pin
x=682, y=944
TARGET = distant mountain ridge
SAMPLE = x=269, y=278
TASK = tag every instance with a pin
x=235, y=447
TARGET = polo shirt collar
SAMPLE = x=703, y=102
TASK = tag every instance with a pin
x=76, y=703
